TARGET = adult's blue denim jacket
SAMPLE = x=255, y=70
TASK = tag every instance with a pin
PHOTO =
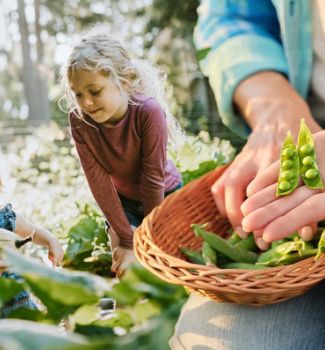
x=243, y=37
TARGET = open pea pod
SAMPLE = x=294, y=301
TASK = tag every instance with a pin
x=321, y=245
x=289, y=167
x=307, y=158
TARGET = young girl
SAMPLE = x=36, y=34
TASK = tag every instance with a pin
x=120, y=123
x=12, y=221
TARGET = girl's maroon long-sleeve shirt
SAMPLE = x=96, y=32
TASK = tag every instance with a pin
x=128, y=158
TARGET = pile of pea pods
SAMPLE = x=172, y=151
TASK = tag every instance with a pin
x=237, y=253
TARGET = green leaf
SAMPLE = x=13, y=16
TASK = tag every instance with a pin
x=86, y=315
x=35, y=336
x=144, y=310
x=203, y=168
x=62, y=292
x=28, y=314
x=8, y=289
x=201, y=54
x=91, y=284
x=118, y=318
x=85, y=228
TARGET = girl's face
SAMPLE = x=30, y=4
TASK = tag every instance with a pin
x=98, y=96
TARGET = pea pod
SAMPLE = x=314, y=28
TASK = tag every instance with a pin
x=307, y=158
x=286, y=253
x=209, y=255
x=246, y=266
x=234, y=238
x=221, y=245
x=277, y=252
x=303, y=247
x=247, y=243
x=192, y=256
x=289, y=167
x=276, y=243
x=287, y=259
x=321, y=245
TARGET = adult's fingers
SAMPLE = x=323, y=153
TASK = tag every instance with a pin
x=264, y=179
x=310, y=211
x=259, y=199
x=218, y=193
x=259, y=240
x=307, y=232
x=235, y=194
x=262, y=216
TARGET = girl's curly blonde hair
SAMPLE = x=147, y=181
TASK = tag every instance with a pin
x=98, y=51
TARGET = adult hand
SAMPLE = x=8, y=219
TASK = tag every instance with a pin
x=277, y=217
x=271, y=107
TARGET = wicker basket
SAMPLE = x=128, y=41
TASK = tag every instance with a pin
x=167, y=228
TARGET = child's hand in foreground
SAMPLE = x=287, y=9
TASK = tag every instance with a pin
x=272, y=217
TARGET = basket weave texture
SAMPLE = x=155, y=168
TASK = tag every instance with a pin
x=158, y=240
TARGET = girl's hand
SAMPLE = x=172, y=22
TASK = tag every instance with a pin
x=3, y=267
x=122, y=258
x=56, y=251
x=114, y=240
x=277, y=217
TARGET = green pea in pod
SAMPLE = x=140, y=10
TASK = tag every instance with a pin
x=289, y=167
x=307, y=158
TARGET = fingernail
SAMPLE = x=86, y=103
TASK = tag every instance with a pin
x=243, y=209
x=307, y=233
x=249, y=191
x=244, y=226
x=261, y=243
x=240, y=232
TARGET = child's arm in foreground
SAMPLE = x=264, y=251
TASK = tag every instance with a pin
x=41, y=237
x=277, y=217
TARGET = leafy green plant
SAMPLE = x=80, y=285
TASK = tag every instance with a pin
x=87, y=244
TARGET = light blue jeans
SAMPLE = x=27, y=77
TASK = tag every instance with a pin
x=296, y=324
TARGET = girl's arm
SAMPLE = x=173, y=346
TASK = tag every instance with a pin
x=24, y=229
x=41, y=237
